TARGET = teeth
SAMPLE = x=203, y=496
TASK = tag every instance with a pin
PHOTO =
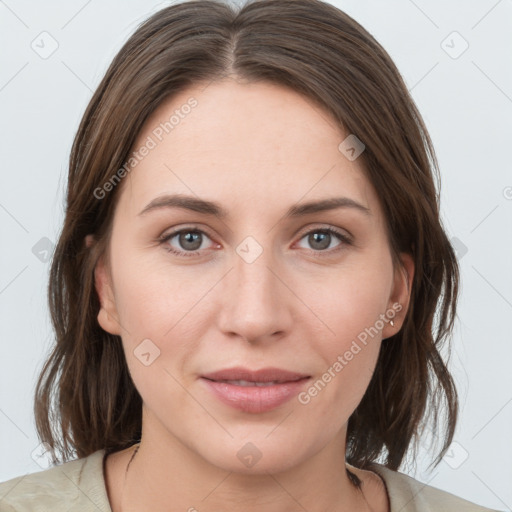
x=248, y=383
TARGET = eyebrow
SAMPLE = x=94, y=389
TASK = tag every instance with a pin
x=215, y=209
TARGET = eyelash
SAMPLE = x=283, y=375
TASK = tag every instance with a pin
x=326, y=252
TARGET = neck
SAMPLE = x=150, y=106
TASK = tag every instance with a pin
x=159, y=475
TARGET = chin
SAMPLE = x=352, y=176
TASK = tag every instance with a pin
x=258, y=456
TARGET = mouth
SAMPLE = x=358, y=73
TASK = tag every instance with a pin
x=254, y=391
x=252, y=377
x=248, y=383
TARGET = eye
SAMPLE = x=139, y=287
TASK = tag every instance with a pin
x=320, y=239
x=189, y=239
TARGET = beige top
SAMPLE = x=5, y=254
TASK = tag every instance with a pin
x=79, y=486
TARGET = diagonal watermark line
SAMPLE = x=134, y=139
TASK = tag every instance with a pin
x=14, y=424
x=13, y=13
x=423, y=76
x=86, y=495
x=217, y=486
x=199, y=403
x=485, y=15
x=286, y=491
x=433, y=476
x=76, y=75
x=506, y=505
x=305, y=194
x=412, y=499
x=216, y=80
x=12, y=488
x=503, y=407
x=198, y=301
x=280, y=423
x=14, y=76
x=13, y=279
x=75, y=15
x=116, y=320
x=13, y=217
x=503, y=297
x=424, y=14
x=333, y=333
x=484, y=218
x=63, y=472
x=165, y=165
x=492, y=81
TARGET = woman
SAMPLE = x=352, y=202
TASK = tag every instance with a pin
x=244, y=288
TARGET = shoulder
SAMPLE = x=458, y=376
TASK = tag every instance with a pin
x=409, y=495
x=78, y=485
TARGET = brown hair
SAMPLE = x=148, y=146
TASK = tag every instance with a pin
x=319, y=51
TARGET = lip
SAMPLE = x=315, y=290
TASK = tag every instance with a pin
x=262, y=375
x=254, y=399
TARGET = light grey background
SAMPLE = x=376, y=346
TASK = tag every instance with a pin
x=465, y=98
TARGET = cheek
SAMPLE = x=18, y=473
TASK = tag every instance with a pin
x=152, y=296
x=158, y=308
x=352, y=304
x=156, y=342
x=349, y=357
x=350, y=335
x=336, y=393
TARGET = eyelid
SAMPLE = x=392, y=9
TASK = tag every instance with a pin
x=345, y=238
x=302, y=232
x=171, y=232
x=166, y=236
x=325, y=227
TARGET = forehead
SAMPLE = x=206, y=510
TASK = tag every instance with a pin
x=244, y=143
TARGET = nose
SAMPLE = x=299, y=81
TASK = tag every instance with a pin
x=257, y=303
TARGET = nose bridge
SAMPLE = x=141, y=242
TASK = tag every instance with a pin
x=255, y=281
x=255, y=303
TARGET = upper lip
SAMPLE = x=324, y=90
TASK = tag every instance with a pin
x=262, y=375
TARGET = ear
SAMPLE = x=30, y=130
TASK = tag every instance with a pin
x=107, y=315
x=400, y=296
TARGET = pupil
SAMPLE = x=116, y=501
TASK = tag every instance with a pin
x=323, y=238
x=190, y=237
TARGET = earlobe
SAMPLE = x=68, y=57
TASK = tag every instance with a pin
x=399, y=300
x=107, y=315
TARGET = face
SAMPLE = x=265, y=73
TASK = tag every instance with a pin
x=266, y=284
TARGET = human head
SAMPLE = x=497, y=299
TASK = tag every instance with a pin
x=343, y=70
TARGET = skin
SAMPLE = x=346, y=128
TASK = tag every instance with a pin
x=256, y=149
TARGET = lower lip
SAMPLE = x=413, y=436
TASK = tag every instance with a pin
x=255, y=399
